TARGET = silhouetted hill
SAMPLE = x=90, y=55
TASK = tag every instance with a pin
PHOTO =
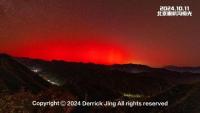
x=98, y=80
x=132, y=68
x=183, y=69
x=109, y=82
x=14, y=76
x=93, y=82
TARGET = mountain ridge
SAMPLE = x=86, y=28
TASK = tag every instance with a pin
x=16, y=76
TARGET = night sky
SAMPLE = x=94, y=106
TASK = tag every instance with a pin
x=100, y=31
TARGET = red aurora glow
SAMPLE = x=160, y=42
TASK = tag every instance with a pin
x=95, y=52
x=100, y=31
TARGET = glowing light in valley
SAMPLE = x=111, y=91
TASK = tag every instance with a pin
x=36, y=70
x=129, y=95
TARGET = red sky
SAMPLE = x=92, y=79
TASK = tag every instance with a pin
x=107, y=31
x=70, y=50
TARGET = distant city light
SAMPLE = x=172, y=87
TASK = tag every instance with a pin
x=133, y=95
x=54, y=83
x=36, y=70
